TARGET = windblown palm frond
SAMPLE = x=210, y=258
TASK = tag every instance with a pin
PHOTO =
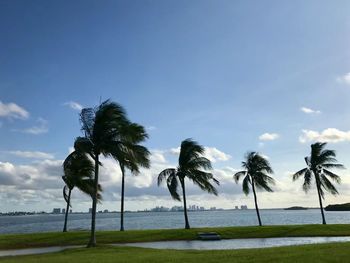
x=256, y=175
x=318, y=164
x=256, y=171
x=193, y=166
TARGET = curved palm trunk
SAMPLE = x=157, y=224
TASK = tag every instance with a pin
x=320, y=199
x=187, y=224
x=122, y=199
x=92, y=241
x=66, y=216
x=256, y=204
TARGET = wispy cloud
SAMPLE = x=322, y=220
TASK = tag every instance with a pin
x=73, y=105
x=40, y=127
x=151, y=128
x=32, y=154
x=344, y=79
x=327, y=135
x=12, y=110
x=268, y=136
x=309, y=111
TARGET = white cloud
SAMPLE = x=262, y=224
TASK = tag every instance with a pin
x=268, y=136
x=309, y=111
x=39, y=128
x=212, y=153
x=12, y=110
x=175, y=151
x=157, y=156
x=74, y=105
x=327, y=135
x=32, y=154
x=344, y=79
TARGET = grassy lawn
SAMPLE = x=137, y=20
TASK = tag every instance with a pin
x=107, y=237
x=335, y=252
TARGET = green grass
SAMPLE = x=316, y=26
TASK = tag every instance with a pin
x=335, y=252
x=108, y=237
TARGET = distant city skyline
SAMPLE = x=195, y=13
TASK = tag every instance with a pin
x=235, y=76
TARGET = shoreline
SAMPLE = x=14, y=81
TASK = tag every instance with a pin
x=47, y=239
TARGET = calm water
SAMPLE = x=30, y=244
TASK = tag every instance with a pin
x=238, y=243
x=144, y=220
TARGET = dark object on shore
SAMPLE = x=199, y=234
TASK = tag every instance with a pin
x=338, y=207
x=209, y=236
x=296, y=208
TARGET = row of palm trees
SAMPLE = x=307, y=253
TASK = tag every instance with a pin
x=108, y=132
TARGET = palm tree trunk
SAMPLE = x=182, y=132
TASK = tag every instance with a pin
x=66, y=216
x=92, y=242
x=187, y=224
x=320, y=199
x=122, y=199
x=256, y=204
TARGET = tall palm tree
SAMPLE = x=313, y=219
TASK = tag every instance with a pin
x=133, y=157
x=318, y=165
x=256, y=175
x=78, y=172
x=192, y=165
x=101, y=126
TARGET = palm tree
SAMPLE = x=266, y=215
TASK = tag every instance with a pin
x=256, y=170
x=101, y=126
x=78, y=172
x=133, y=157
x=318, y=165
x=192, y=165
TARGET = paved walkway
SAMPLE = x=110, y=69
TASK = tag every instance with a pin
x=32, y=251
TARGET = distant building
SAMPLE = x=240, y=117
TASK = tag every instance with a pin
x=160, y=209
x=56, y=211
x=176, y=208
x=244, y=207
x=63, y=211
x=213, y=208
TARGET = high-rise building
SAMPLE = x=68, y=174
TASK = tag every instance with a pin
x=56, y=211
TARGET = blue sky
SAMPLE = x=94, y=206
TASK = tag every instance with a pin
x=221, y=72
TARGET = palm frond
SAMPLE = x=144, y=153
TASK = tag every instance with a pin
x=238, y=175
x=256, y=172
x=245, y=185
x=262, y=181
x=189, y=150
x=327, y=185
x=203, y=180
x=172, y=183
x=307, y=180
x=199, y=163
x=84, y=145
x=300, y=173
x=165, y=174
x=87, y=120
x=334, y=177
x=333, y=166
